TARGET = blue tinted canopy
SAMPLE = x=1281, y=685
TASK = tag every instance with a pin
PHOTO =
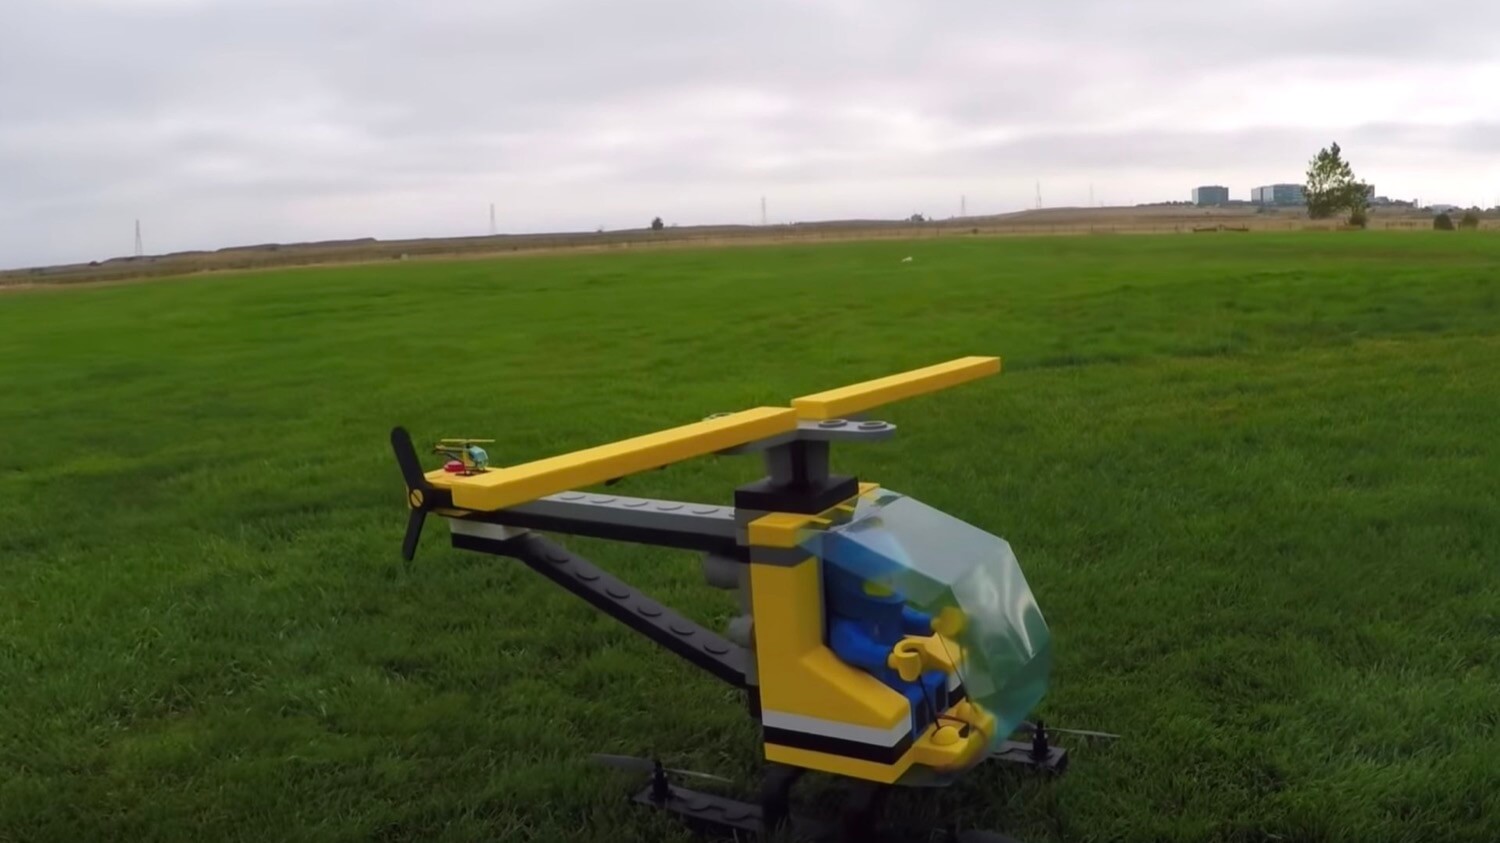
x=938, y=561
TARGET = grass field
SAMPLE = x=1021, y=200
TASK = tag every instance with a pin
x=1252, y=480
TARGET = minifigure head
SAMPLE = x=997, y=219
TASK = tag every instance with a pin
x=852, y=595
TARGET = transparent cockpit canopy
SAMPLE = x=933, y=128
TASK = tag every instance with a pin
x=938, y=561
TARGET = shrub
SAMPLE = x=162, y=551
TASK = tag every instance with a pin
x=1358, y=219
x=1470, y=220
x=1442, y=222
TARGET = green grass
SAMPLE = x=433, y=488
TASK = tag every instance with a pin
x=1254, y=481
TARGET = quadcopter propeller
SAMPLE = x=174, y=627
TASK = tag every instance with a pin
x=646, y=765
x=1030, y=728
x=421, y=496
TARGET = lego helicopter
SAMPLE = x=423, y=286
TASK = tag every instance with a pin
x=464, y=455
x=880, y=639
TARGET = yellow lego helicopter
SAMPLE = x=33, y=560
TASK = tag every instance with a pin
x=880, y=640
x=464, y=455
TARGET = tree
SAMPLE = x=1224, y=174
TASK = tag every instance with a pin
x=1469, y=220
x=657, y=224
x=1442, y=222
x=1358, y=219
x=1331, y=186
x=916, y=218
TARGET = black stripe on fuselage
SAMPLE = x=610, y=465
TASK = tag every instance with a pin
x=838, y=746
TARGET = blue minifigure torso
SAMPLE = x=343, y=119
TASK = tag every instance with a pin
x=864, y=627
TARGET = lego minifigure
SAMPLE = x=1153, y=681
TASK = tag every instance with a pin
x=869, y=625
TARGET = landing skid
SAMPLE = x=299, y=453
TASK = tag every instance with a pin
x=712, y=812
x=860, y=817
x=858, y=821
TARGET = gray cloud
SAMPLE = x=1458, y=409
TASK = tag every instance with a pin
x=225, y=121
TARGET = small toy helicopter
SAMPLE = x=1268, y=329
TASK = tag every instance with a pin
x=465, y=457
x=880, y=640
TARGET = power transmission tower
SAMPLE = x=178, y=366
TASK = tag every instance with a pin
x=1039, y=194
x=492, y=219
x=1091, y=196
x=762, y=210
x=138, y=250
x=963, y=206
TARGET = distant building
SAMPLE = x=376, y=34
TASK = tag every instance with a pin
x=1277, y=194
x=1210, y=195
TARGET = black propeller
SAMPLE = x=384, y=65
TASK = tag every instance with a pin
x=1029, y=728
x=646, y=765
x=421, y=496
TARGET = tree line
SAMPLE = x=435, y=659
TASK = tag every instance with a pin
x=1332, y=189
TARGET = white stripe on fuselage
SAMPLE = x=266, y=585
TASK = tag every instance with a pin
x=834, y=729
x=483, y=530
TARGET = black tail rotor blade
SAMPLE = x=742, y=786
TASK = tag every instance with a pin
x=420, y=495
x=406, y=458
x=414, y=524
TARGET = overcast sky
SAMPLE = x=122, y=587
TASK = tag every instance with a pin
x=223, y=122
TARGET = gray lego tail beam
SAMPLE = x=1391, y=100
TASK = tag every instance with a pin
x=685, y=638
x=675, y=524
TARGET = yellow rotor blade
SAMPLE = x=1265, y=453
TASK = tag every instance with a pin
x=502, y=487
x=857, y=398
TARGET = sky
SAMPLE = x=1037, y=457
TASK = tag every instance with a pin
x=231, y=122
